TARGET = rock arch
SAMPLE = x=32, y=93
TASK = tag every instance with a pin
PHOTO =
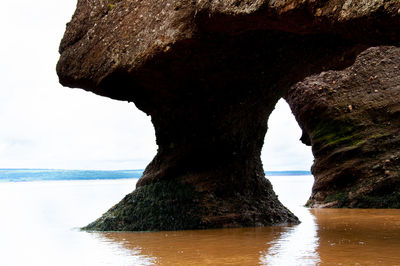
x=209, y=73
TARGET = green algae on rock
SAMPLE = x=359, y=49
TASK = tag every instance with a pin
x=354, y=131
x=165, y=205
x=171, y=205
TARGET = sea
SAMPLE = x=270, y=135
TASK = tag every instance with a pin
x=24, y=175
x=42, y=211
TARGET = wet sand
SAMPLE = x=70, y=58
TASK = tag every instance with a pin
x=40, y=220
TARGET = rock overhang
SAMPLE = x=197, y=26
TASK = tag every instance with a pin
x=106, y=38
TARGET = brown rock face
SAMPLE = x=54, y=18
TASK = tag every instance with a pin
x=209, y=73
x=352, y=120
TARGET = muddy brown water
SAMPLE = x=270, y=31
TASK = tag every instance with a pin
x=341, y=237
x=354, y=236
x=40, y=219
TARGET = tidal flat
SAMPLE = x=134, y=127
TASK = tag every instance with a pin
x=40, y=224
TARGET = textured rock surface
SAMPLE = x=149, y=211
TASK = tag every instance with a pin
x=106, y=37
x=209, y=73
x=352, y=120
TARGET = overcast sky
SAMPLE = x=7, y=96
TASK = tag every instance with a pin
x=44, y=125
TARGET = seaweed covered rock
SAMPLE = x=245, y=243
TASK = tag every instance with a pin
x=171, y=205
x=352, y=120
x=209, y=74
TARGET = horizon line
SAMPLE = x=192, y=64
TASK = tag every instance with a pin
x=63, y=169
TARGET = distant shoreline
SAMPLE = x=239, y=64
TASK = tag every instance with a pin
x=29, y=174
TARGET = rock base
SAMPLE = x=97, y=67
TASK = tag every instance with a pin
x=171, y=205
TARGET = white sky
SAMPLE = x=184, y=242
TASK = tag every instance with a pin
x=44, y=125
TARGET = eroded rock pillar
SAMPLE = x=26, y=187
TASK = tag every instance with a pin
x=207, y=173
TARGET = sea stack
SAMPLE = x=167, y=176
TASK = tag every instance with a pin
x=351, y=118
x=209, y=74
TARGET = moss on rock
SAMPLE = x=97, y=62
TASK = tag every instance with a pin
x=341, y=198
x=391, y=201
x=387, y=197
x=353, y=131
x=167, y=205
x=336, y=132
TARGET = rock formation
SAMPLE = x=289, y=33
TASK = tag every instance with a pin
x=209, y=73
x=352, y=120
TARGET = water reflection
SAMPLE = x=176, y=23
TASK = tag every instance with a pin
x=325, y=237
x=37, y=218
x=296, y=246
x=292, y=245
x=358, y=237
x=241, y=246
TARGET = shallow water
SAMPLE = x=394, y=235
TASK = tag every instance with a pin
x=39, y=222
